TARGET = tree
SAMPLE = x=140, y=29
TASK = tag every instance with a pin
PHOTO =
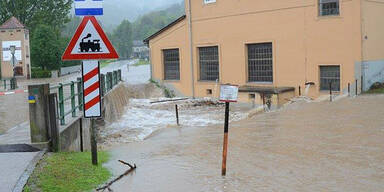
x=46, y=48
x=122, y=39
x=149, y=23
x=70, y=28
x=34, y=12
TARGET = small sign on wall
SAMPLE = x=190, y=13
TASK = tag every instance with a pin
x=209, y=1
x=6, y=45
x=229, y=93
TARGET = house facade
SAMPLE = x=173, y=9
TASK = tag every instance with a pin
x=271, y=49
x=14, y=34
x=140, y=50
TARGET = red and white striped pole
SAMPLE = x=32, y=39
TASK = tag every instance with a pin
x=91, y=86
x=92, y=99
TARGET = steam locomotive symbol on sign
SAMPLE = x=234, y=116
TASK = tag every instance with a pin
x=90, y=46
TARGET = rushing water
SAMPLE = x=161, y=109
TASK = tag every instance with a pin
x=142, y=119
x=318, y=146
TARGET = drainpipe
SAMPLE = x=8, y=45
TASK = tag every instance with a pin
x=191, y=46
x=362, y=41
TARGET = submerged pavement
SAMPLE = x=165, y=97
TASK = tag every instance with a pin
x=318, y=146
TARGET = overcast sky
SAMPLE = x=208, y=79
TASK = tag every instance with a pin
x=117, y=10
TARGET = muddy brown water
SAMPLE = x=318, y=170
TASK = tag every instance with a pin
x=303, y=147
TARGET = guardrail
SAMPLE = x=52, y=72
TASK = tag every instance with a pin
x=108, y=82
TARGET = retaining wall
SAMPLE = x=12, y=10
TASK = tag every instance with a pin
x=70, y=136
x=113, y=108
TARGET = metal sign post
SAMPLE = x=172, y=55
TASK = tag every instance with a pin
x=92, y=99
x=228, y=94
x=90, y=44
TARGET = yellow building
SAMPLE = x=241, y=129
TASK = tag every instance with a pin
x=271, y=49
x=13, y=33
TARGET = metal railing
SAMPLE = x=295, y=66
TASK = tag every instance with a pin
x=11, y=84
x=70, y=95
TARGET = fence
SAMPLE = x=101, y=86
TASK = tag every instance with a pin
x=10, y=84
x=70, y=95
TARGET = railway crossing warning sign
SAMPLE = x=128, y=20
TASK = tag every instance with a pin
x=91, y=89
x=89, y=43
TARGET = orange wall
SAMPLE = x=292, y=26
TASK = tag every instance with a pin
x=302, y=41
x=373, y=30
x=175, y=37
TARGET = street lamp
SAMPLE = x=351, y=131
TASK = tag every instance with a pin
x=13, y=62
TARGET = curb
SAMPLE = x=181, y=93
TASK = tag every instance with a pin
x=27, y=173
x=13, y=92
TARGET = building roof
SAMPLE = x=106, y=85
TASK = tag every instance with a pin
x=12, y=23
x=146, y=41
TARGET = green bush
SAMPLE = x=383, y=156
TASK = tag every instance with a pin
x=39, y=73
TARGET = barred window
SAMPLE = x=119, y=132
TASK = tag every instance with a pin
x=260, y=62
x=329, y=7
x=209, y=63
x=330, y=75
x=171, y=64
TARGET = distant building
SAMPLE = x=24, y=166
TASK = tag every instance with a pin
x=14, y=33
x=271, y=48
x=140, y=50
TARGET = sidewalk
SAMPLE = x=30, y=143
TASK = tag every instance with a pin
x=15, y=169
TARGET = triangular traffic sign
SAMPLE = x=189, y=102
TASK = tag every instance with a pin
x=89, y=43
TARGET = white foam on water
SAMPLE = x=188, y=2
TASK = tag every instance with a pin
x=307, y=89
x=142, y=118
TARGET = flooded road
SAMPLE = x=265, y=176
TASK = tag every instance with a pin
x=304, y=147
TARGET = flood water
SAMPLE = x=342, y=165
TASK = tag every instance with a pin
x=318, y=146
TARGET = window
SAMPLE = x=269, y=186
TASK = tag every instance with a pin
x=171, y=64
x=260, y=62
x=329, y=7
x=330, y=75
x=209, y=63
x=209, y=1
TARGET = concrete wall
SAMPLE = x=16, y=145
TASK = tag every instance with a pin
x=70, y=139
x=16, y=35
x=114, y=103
x=302, y=42
x=372, y=71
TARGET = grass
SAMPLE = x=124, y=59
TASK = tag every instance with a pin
x=68, y=172
x=141, y=62
x=105, y=63
x=375, y=91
